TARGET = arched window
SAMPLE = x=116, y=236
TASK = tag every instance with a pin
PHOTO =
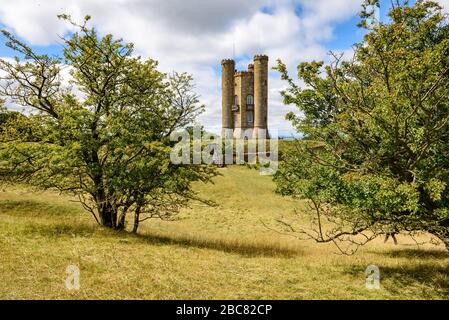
x=249, y=100
x=236, y=100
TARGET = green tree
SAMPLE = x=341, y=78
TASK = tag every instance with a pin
x=4, y=114
x=13, y=124
x=103, y=137
x=378, y=121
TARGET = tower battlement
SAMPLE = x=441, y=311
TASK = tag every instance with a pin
x=260, y=57
x=245, y=96
x=242, y=73
x=227, y=61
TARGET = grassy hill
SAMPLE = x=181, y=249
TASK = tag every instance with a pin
x=222, y=252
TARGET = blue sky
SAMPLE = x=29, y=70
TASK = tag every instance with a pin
x=183, y=37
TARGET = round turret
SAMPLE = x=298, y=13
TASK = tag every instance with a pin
x=260, y=91
x=227, y=80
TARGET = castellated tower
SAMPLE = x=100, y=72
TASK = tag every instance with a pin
x=227, y=92
x=260, y=92
x=245, y=97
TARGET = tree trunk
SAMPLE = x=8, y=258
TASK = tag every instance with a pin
x=136, y=219
x=107, y=216
x=122, y=220
x=106, y=210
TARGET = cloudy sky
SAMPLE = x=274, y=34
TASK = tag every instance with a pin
x=194, y=35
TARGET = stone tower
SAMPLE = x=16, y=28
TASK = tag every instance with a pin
x=227, y=93
x=245, y=97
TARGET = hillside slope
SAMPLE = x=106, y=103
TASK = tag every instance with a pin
x=222, y=252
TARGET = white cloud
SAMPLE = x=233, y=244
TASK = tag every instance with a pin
x=444, y=4
x=194, y=35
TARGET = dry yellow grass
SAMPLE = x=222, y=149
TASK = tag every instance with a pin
x=208, y=253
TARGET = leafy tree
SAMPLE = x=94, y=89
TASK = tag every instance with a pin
x=4, y=115
x=378, y=122
x=13, y=123
x=103, y=137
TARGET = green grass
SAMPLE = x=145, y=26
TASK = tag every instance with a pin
x=224, y=252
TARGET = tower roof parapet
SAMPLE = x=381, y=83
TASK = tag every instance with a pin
x=227, y=61
x=241, y=73
x=260, y=57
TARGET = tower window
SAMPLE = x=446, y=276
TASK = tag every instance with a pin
x=249, y=100
x=236, y=100
x=250, y=117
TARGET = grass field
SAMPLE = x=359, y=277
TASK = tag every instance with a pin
x=224, y=252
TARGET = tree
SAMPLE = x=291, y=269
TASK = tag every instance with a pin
x=4, y=114
x=104, y=137
x=13, y=123
x=378, y=156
